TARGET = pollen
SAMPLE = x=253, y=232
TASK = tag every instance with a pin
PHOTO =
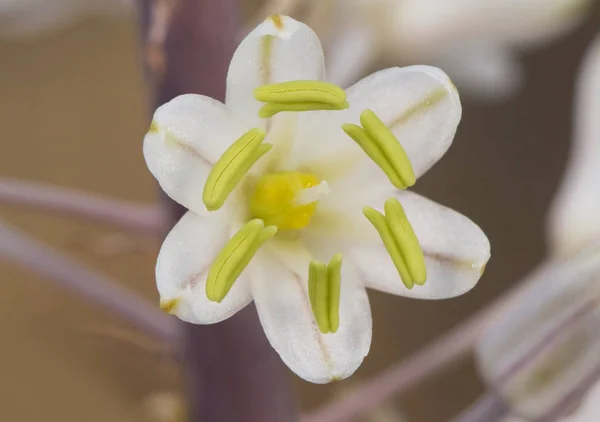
x=277, y=21
x=287, y=200
x=169, y=305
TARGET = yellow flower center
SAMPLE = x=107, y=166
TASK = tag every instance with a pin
x=286, y=200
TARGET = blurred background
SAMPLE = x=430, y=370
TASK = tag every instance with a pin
x=73, y=113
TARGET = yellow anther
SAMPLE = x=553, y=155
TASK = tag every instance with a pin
x=380, y=144
x=232, y=166
x=234, y=257
x=169, y=305
x=300, y=96
x=279, y=200
x=400, y=241
x=324, y=290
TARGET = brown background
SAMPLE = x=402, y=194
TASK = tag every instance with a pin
x=73, y=113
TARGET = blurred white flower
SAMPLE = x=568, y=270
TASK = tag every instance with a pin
x=589, y=411
x=476, y=42
x=26, y=18
x=264, y=228
x=543, y=353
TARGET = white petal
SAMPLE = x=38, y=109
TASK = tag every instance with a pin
x=575, y=216
x=271, y=54
x=281, y=297
x=418, y=103
x=542, y=351
x=193, y=133
x=455, y=248
x=183, y=264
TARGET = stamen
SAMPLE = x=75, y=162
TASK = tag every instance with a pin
x=234, y=257
x=300, y=96
x=380, y=144
x=324, y=290
x=400, y=241
x=312, y=194
x=232, y=166
x=276, y=195
x=271, y=109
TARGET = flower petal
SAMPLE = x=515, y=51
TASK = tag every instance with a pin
x=183, y=264
x=418, y=103
x=543, y=350
x=281, y=297
x=575, y=215
x=278, y=50
x=455, y=249
x=188, y=135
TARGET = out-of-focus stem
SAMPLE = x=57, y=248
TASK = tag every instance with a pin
x=98, y=289
x=488, y=408
x=232, y=372
x=71, y=202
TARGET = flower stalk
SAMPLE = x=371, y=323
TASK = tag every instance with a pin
x=232, y=373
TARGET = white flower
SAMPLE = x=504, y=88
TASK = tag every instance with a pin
x=476, y=42
x=543, y=352
x=22, y=18
x=192, y=133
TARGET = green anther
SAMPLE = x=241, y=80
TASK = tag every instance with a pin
x=234, y=257
x=363, y=140
x=389, y=145
x=232, y=166
x=400, y=241
x=271, y=109
x=324, y=289
x=301, y=92
x=406, y=239
x=321, y=296
x=300, y=96
x=380, y=144
x=379, y=221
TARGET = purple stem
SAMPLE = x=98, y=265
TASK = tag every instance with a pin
x=125, y=214
x=488, y=408
x=96, y=288
x=232, y=372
